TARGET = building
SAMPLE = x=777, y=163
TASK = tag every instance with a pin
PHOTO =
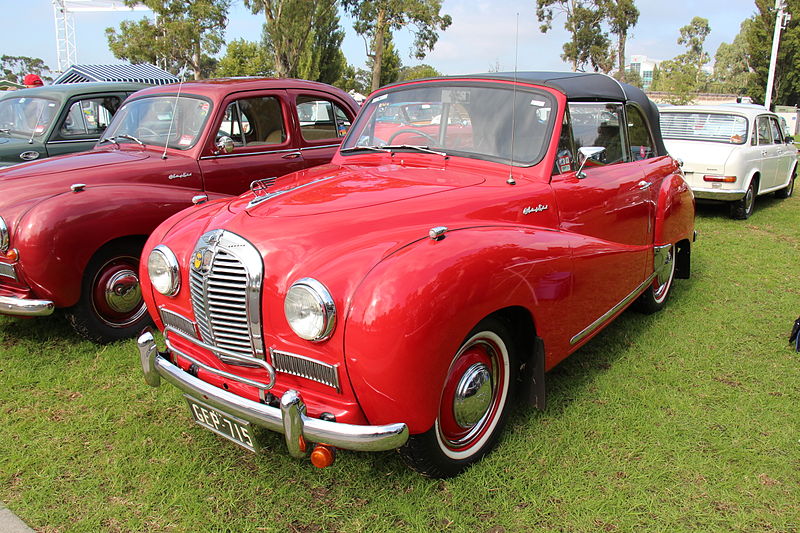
x=644, y=67
x=139, y=73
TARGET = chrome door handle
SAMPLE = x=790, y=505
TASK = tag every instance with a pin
x=763, y=153
x=643, y=185
x=293, y=155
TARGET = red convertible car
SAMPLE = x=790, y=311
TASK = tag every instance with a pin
x=72, y=228
x=406, y=294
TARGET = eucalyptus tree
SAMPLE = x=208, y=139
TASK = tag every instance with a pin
x=583, y=19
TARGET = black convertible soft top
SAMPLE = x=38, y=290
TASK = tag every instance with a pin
x=586, y=87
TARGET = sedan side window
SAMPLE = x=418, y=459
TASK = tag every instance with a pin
x=321, y=119
x=777, y=138
x=89, y=117
x=764, y=131
x=599, y=124
x=641, y=142
x=254, y=122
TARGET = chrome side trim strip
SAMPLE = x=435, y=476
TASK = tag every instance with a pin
x=71, y=141
x=23, y=307
x=608, y=314
x=318, y=147
x=346, y=436
x=220, y=156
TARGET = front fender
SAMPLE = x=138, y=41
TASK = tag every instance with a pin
x=57, y=237
x=412, y=311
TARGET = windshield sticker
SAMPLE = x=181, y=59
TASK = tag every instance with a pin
x=455, y=96
x=538, y=103
x=185, y=140
x=381, y=97
x=204, y=108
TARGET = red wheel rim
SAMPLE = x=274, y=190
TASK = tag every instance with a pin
x=116, y=293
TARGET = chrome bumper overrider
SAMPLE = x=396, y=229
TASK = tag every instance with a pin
x=23, y=307
x=290, y=419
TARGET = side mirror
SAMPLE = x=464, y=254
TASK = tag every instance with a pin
x=788, y=139
x=224, y=145
x=586, y=153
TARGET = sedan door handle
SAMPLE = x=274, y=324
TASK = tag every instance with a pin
x=644, y=185
x=764, y=153
x=293, y=155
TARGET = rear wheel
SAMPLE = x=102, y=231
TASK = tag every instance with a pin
x=654, y=298
x=111, y=305
x=787, y=191
x=473, y=405
x=742, y=209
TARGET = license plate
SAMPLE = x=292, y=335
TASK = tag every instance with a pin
x=230, y=427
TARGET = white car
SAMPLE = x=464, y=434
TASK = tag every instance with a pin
x=731, y=152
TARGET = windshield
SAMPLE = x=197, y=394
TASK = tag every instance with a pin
x=26, y=116
x=712, y=127
x=158, y=121
x=470, y=121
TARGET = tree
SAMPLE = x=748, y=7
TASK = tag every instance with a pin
x=14, y=68
x=786, y=89
x=732, y=71
x=622, y=16
x=683, y=75
x=390, y=69
x=693, y=36
x=631, y=77
x=418, y=72
x=290, y=27
x=376, y=19
x=185, y=33
x=354, y=79
x=245, y=58
x=582, y=19
x=323, y=59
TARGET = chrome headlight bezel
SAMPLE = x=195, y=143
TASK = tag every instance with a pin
x=170, y=267
x=5, y=239
x=318, y=296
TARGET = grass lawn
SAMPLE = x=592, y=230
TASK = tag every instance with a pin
x=688, y=419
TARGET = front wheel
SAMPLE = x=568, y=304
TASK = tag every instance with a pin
x=473, y=405
x=111, y=305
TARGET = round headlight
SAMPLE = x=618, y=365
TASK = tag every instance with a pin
x=4, y=239
x=162, y=267
x=310, y=310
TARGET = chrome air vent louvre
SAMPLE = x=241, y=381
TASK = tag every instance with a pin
x=225, y=284
x=181, y=323
x=8, y=271
x=305, y=367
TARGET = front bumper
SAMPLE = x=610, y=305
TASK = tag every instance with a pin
x=290, y=419
x=24, y=307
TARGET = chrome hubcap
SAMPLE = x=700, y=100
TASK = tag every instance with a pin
x=473, y=396
x=123, y=292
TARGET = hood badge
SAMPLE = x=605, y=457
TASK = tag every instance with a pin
x=181, y=175
x=77, y=187
x=29, y=155
x=538, y=209
x=201, y=261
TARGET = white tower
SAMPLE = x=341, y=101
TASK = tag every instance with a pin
x=65, y=24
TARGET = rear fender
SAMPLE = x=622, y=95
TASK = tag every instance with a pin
x=412, y=311
x=57, y=237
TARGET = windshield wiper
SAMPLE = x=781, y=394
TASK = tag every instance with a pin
x=424, y=149
x=5, y=130
x=363, y=147
x=131, y=137
x=109, y=140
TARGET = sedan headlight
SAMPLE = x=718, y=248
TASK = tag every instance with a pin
x=162, y=267
x=310, y=310
x=4, y=239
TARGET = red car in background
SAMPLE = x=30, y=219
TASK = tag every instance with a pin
x=72, y=228
x=398, y=296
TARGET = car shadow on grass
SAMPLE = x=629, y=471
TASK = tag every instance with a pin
x=721, y=210
x=53, y=328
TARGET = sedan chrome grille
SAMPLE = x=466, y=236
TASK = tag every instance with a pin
x=297, y=365
x=225, y=285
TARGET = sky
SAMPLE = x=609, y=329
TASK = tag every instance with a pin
x=481, y=37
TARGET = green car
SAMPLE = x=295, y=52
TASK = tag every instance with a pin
x=57, y=119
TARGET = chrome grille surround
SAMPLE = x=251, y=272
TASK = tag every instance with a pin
x=225, y=276
x=305, y=367
x=179, y=322
x=8, y=271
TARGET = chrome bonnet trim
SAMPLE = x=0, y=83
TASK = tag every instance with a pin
x=608, y=314
x=23, y=307
x=291, y=414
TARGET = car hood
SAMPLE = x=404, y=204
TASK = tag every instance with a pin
x=11, y=147
x=333, y=188
x=69, y=166
x=701, y=156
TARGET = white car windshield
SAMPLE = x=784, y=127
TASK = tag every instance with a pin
x=160, y=121
x=28, y=117
x=464, y=120
x=712, y=127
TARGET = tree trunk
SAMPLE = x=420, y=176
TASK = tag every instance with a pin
x=380, y=27
x=621, y=55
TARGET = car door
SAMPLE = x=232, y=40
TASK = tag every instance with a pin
x=770, y=153
x=607, y=206
x=785, y=155
x=82, y=122
x=323, y=121
x=265, y=142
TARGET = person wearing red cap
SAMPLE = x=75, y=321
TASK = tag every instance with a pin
x=32, y=80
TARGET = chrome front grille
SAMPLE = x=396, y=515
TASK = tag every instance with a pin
x=305, y=367
x=225, y=283
x=183, y=324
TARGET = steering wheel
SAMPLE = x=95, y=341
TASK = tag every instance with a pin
x=413, y=132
